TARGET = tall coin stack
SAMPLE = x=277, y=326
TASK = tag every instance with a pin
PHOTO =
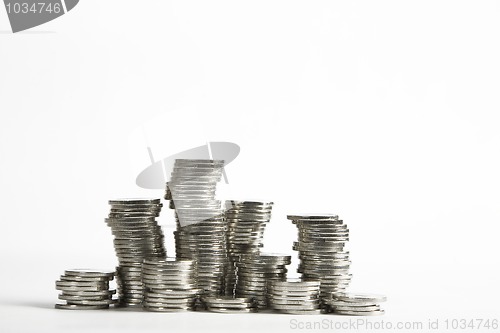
x=321, y=242
x=294, y=296
x=84, y=289
x=137, y=237
x=170, y=285
x=201, y=228
x=255, y=272
x=246, y=221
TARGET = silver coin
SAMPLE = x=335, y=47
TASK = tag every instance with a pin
x=300, y=312
x=125, y=206
x=360, y=297
x=168, y=262
x=360, y=313
x=132, y=213
x=308, y=238
x=227, y=300
x=308, y=293
x=65, y=297
x=89, y=293
x=156, y=301
x=312, y=217
x=320, y=223
x=80, y=288
x=275, y=256
x=232, y=310
x=285, y=296
x=173, y=281
x=157, y=287
x=168, y=273
x=356, y=308
x=138, y=220
x=323, y=233
x=286, y=301
x=290, y=307
x=80, y=307
x=89, y=273
x=165, y=309
x=327, y=256
x=245, y=204
x=91, y=302
x=265, y=276
x=335, y=302
x=179, y=295
x=84, y=279
x=296, y=283
x=133, y=201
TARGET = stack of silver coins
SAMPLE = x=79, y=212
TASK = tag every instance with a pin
x=354, y=304
x=246, y=221
x=294, y=296
x=321, y=243
x=201, y=228
x=137, y=237
x=255, y=272
x=84, y=289
x=170, y=285
x=229, y=304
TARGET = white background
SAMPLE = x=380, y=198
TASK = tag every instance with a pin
x=384, y=112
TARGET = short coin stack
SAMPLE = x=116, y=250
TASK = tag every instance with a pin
x=246, y=221
x=322, y=257
x=201, y=228
x=137, y=237
x=294, y=296
x=228, y=304
x=255, y=272
x=170, y=285
x=84, y=289
x=353, y=304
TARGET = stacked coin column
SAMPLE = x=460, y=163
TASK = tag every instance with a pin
x=84, y=289
x=255, y=272
x=170, y=285
x=294, y=296
x=246, y=221
x=322, y=257
x=276, y=269
x=201, y=228
x=355, y=304
x=137, y=237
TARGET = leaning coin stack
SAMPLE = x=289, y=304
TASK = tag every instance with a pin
x=321, y=242
x=246, y=221
x=137, y=237
x=170, y=285
x=294, y=296
x=229, y=304
x=84, y=289
x=356, y=304
x=201, y=228
x=256, y=272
